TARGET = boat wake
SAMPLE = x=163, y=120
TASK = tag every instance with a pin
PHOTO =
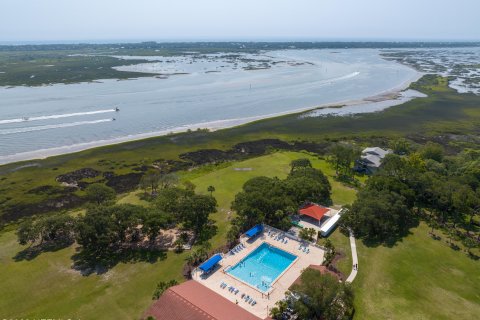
x=52, y=126
x=56, y=116
x=347, y=76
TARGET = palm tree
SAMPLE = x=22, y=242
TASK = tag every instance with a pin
x=211, y=189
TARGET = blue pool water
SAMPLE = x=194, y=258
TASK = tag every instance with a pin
x=262, y=266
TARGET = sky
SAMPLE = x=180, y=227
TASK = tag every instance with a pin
x=170, y=20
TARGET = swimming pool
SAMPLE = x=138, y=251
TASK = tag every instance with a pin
x=262, y=266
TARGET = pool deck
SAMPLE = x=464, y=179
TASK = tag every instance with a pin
x=283, y=282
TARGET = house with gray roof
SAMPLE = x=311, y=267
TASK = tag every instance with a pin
x=371, y=159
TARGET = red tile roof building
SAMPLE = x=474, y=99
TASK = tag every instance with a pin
x=193, y=301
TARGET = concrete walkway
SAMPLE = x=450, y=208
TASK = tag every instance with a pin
x=353, y=274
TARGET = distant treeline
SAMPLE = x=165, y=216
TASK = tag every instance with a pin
x=237, y=46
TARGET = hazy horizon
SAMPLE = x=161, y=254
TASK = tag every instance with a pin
x=193, y=40
x=57, y=21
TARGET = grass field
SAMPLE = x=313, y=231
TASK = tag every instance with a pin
x=342, y=245
x=124, y=292
x=227, y=182
x=419, y=278
x=47, y=287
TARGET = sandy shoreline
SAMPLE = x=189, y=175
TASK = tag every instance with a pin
x=386, y=95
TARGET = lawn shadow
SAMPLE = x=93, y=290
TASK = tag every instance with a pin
x=32, y=252
x=391, y=241
x=473, y=256
x=87, y=262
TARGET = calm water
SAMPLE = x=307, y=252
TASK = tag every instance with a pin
x=262, y=266
x=63, y=118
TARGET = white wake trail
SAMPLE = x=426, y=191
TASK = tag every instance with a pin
x=52, y=126
x=56, y=116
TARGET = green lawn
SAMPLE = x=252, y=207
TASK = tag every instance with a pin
x=419, y=278
x=47, y=287
x=341, y=243
x=228, y=181
x=55, y=290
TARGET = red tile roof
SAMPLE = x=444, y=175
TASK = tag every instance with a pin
x=191, y=301
x=314, y=211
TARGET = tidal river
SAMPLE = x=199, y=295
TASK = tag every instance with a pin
x=209, y=92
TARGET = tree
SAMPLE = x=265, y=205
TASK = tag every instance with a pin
x=378, y=215
x=99, y=193
x=400, y=146
x=329, y=253
x=300, y=163
x=28, y=232
x=322, y=297
x=470, y=244
x=162, y=286
x=57, y=228
x=394, y=166
x=168, y=200
x=279, y=309
x=211, y=189
x=126, y=218
x=343, y=157
x=189, y=186
x=379, y=183
x=195, y=211
x=200, y=254
x=179, y=243
x=96, y=231
x=441, y=193
x=301, y=190
x=153, y=222
x=308, y=185
x=259, y=202
x=432, y=150
x=168, y=180
x=464, y=201
x=106, y=228
x=272, y=201
x=144, y=184
x=233, y=233
x=307, y=234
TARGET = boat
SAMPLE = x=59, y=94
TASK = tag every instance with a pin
x=25, y=118
x=116, y=109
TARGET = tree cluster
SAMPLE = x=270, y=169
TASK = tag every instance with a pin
x=317, y=296
x=444, y=190
x=343, y=157
x=153, y=181
x=272, y=200
x=108, y=228
x=186, y=207
x=57, y=228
